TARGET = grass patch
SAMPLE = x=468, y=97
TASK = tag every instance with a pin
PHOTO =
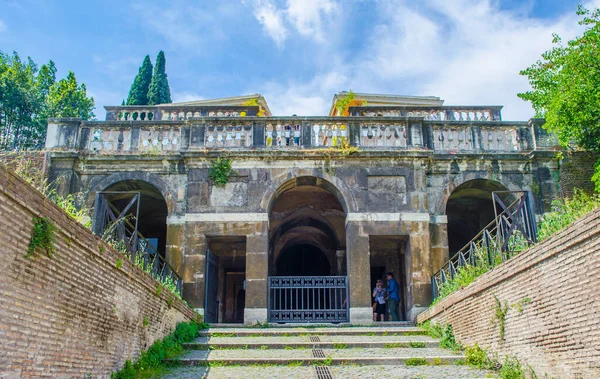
x=151, y=362
x=396, y=345
x=416, y=362
x=417, y=344
x=340, y=345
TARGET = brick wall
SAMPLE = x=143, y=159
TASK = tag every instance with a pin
x=75, y=313
x=558, y=331
x=576, y=171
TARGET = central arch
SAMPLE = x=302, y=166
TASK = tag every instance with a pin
x=307, y=229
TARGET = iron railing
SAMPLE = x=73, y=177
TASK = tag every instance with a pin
x=296, y=299
x=115, y=225
x=512, y=230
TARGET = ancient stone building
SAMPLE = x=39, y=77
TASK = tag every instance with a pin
x=397, y=185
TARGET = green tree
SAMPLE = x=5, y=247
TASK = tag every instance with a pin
x=138, y=94
x=66, y=98
x=22, y=102
x=159, y=92
x=28, y=96
x=566, y=87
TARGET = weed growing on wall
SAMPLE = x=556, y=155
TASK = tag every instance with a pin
x=220, y=171
x=500, y=312
x=42, y=237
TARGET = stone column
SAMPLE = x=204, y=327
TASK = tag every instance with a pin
x=359, y=273
x=194, y=268
x=421, y=267
x=438, y=231
x=257, y=273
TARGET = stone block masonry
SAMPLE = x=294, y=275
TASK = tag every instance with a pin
x=549, y=295
x=76, y=313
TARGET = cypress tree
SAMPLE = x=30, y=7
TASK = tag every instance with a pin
x=138, y=94
x=159, y=92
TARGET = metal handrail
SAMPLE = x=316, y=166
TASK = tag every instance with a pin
x=159, y=267
x=496, y=232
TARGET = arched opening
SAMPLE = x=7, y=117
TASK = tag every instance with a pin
x=307, y=244
x=153, y=212
x=307, y=229
x=469, y=209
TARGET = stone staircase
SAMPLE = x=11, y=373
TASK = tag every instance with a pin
x=390, y=350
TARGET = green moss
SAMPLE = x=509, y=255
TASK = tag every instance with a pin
x=119, y=263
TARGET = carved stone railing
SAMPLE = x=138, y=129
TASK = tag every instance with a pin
x=117, y=137
x=175, y=112
x=442, y=113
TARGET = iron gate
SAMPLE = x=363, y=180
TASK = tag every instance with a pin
x=308, y=299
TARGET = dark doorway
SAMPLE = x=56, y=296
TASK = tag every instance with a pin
x=225, y=279
x=391, y=254
x=303, y=260
x=469, y=209
x=153, y=212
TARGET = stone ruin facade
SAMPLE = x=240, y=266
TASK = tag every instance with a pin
x=398, y=185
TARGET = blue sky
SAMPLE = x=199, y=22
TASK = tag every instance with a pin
x=297, y=53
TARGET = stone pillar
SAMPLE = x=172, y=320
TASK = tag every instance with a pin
x=174, y=249
x=62, y=133
x=421, y=267
x=257, y=273
x=359, y=273
x=438, y=230
x=194, y=268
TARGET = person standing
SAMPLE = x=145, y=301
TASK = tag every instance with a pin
x=394, y=292
x=379, y=299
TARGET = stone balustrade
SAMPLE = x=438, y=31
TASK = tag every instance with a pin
x=175, y=113
x=297, y=133
x=441, y=113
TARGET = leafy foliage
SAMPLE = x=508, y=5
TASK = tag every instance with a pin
x=254, y=103
x=566, y=87
x=138, y=94
x=565, y=212
x=348, y=101
x=159, y=91
x=29, y=95
x=42, y=236
x=220, y=171
x=66, y=98
x=151, y=362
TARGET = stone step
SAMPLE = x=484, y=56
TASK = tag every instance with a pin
x=308, y=342
x=327, y=372
x=317, y=331
x=384, y=324
x=355, y=356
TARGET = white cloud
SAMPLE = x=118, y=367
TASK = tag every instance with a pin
x=272, y=21
x=468, y=52
x=2, y=26
x=306, y=17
